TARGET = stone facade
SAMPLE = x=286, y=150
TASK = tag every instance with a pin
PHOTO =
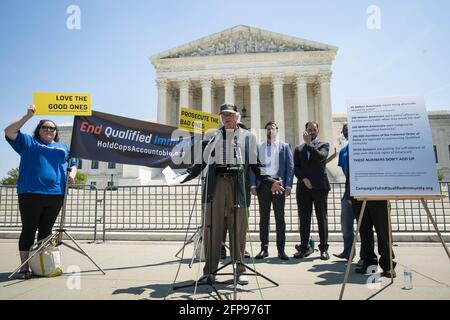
x=269, y=76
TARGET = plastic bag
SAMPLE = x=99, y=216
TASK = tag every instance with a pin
x=46, y=263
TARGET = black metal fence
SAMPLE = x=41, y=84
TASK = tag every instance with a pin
x=81, y=208
x=178, y=208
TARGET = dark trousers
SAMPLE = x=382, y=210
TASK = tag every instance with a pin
x=38, y=213
x=266, y=198
x=305, y=201
x=375, y=215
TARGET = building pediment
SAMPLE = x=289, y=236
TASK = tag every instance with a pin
x=243, y=40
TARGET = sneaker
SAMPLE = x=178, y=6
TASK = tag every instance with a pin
x=242, y=280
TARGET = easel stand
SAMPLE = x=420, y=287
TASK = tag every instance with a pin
x=423, y=199
x=58, y=234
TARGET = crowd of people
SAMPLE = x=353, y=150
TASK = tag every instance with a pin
x=236, y=168
x=270, y=178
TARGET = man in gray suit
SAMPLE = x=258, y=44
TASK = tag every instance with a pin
x=312, y=188
x=279, y=165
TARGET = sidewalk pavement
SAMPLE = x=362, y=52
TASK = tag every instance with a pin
x=148, y=269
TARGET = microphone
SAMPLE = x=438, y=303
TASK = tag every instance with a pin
x=208, y=142
x=237, y=150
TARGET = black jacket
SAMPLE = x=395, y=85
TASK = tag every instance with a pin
x=312, y=168
x=247, y=143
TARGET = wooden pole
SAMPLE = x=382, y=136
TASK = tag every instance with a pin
x=352, y=252
x=391, y=263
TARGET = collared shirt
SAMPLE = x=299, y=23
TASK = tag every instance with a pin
x=269, y=154
x=313, y=142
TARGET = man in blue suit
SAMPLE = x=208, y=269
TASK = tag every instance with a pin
x=279, y=165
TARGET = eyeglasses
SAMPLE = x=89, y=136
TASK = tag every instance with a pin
x=51, y=129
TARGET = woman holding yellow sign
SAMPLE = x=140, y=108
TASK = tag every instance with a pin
x=42, y=179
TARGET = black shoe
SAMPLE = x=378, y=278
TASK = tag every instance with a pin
x=298, y=247
x=246, y=254
x=387, y=274
x=340, y=256
x=303, y=254
x=363, y=268
x=223, y=252
x=283, y=256
x=324, y=255
x=263, y=254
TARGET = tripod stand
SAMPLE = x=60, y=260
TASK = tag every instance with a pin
x=226, y=185
x=239, y=212
x=196, y=238
x=207, y=279
x=58, y=234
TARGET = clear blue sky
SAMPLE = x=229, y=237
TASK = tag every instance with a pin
x=108, y=57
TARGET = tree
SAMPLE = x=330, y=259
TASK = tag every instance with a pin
x=441, y=175
x=81, y=178
x=11, y=179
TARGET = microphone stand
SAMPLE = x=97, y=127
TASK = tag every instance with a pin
x=238, y=170
x=206, y=279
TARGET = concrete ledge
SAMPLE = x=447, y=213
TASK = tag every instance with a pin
x=180, y=236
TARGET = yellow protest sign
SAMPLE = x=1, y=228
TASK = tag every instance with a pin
x=65, y=104
x=197, y=121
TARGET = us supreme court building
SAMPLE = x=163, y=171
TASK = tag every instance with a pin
x=269, y=76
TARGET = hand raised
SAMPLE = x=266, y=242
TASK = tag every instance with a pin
x=306, y=137
x=31, y=110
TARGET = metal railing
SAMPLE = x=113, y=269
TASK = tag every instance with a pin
x=178, y=208
x=81, y=208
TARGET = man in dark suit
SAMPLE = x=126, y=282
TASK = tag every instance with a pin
x=312, y=188
x=279, y=165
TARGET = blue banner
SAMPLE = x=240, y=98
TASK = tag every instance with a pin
x=110, y=138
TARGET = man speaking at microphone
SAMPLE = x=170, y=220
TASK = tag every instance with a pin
x=230, y=155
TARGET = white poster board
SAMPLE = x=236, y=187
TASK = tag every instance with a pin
x=390, y=148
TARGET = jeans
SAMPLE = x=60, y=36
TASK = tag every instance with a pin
x=347, y=225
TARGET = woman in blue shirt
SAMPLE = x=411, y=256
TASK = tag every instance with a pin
x=42, y=179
